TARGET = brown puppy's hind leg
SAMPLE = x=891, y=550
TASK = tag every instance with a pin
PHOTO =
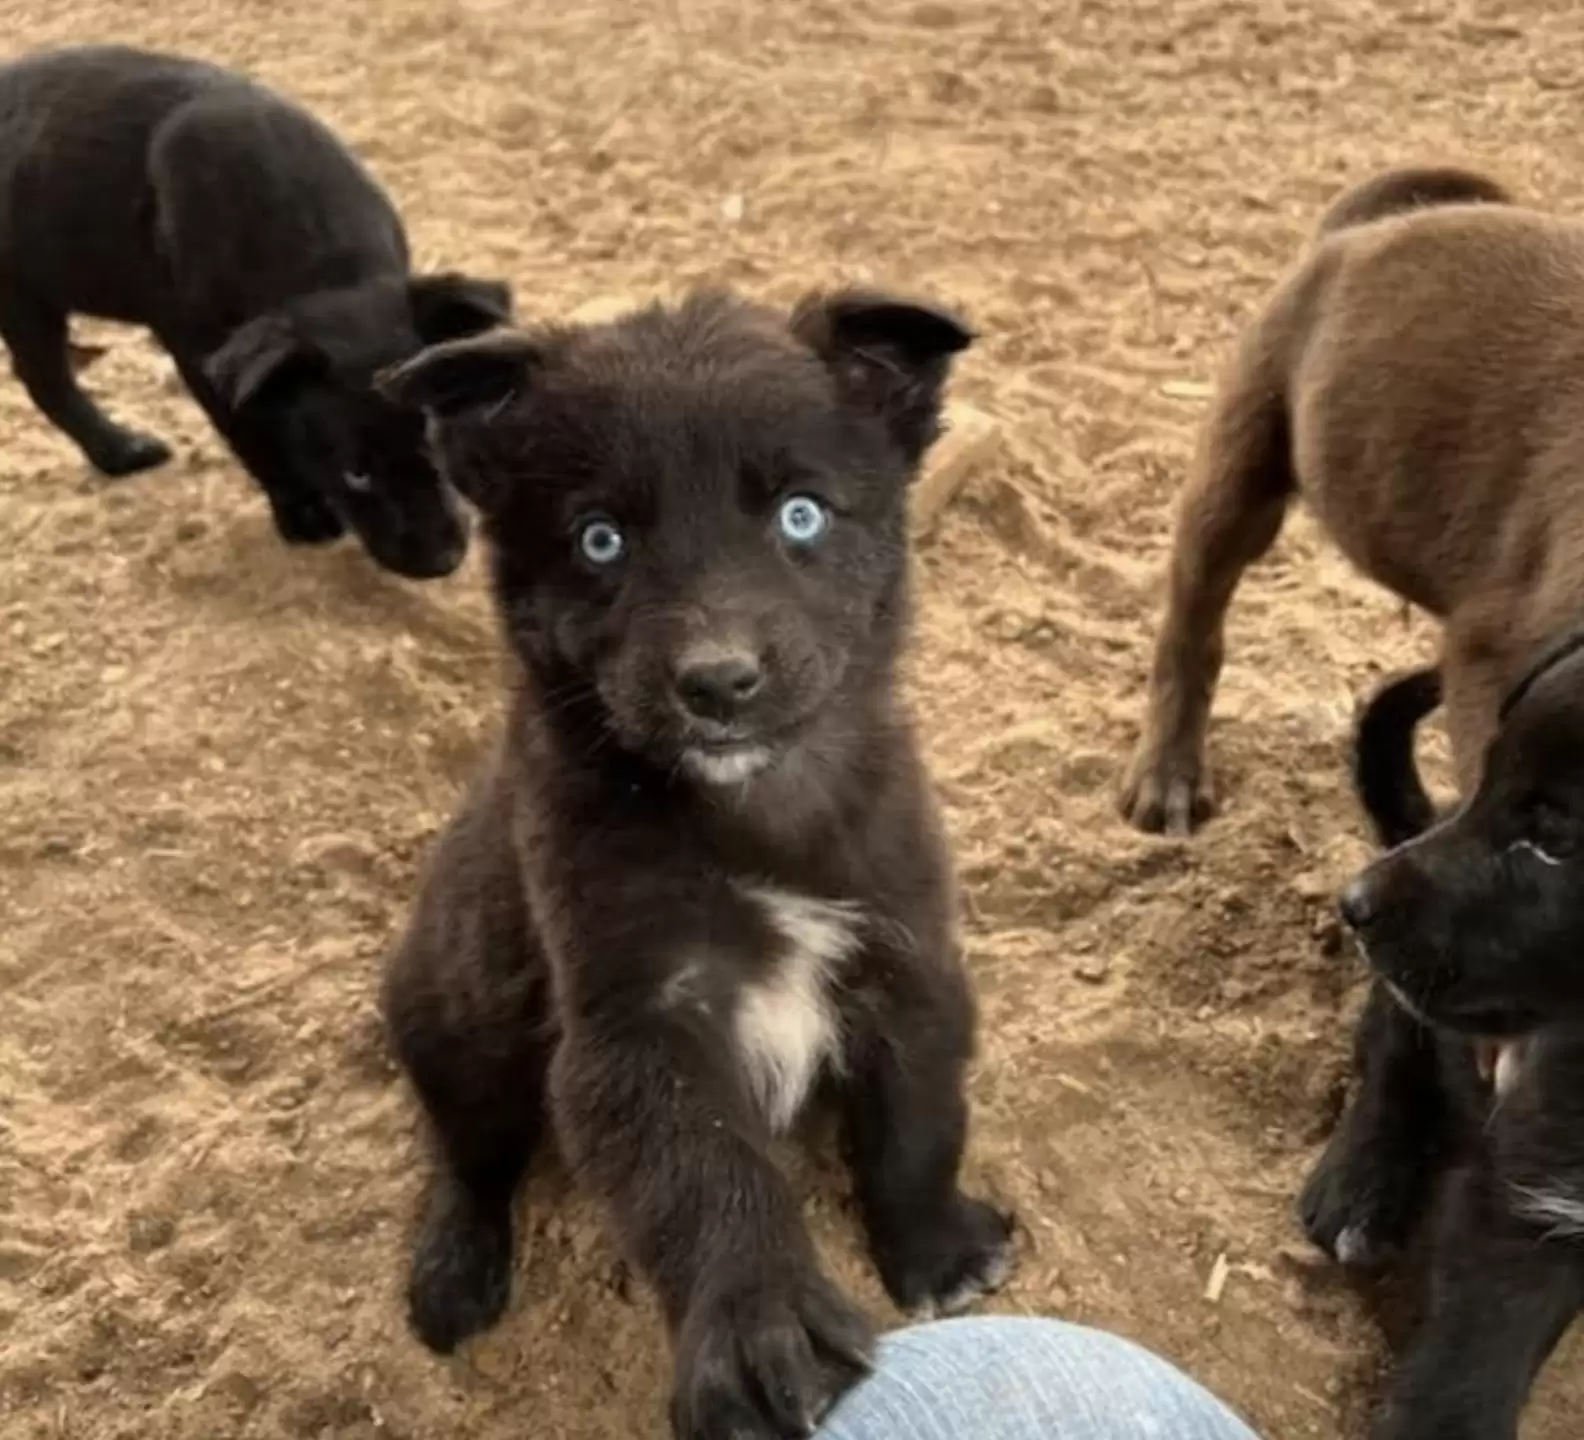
x=1229, y=516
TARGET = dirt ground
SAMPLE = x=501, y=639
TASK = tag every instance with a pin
x=221, y=761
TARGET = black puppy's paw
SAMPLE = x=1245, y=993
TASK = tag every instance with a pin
x=119, y=453
x=942, y=1268
x=461, y=1269
x=305, y=520
x=767, y=1360
x=1363, y=1197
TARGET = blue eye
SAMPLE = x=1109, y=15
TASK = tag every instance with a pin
x=802, y=519
x=601, y=542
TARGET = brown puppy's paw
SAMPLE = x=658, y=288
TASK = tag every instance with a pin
x=1166, y=791
x=766, y=1360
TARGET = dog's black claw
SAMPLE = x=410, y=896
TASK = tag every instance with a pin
x=127, y=452
x=945, y=1268
x=461, y=1271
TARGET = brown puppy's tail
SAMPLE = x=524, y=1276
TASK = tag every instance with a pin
x=1414, y=187
x=1385, y=774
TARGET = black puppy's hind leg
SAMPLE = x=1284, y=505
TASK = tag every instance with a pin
x=1502, y=1295
x=1368, y=1190
x=905, y=1126
x=36, y=336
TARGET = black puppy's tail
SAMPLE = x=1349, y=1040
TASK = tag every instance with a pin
x=1385, y=774
x=1413, y=187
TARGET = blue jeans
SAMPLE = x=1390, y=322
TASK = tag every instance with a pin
x=1002, y=1377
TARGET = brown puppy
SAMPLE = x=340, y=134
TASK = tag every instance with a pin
x=1419, y=380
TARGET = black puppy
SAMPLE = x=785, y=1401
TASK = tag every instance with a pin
x=165, y=192
x=703, y=875
x=1471, y=1051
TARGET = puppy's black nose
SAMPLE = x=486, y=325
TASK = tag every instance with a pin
x=1357, y=904
x=717, y=688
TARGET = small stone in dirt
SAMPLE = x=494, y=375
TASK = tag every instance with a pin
x=1093, y=969
x=934, y=17
x=149, y=1232
x=1311, y=886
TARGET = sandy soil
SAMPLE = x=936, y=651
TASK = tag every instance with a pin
x=220, y=761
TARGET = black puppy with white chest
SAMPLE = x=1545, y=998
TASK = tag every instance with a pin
x=1471, y=1053
x=169, y=193
x=702, y=877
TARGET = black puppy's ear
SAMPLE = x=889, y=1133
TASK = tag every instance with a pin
x=887, y=355
x=475, y=373
x=449, y=306
x=265, y=350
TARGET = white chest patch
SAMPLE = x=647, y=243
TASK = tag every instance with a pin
x=786, y=1025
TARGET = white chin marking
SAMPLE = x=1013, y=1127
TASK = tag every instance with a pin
x=1530, y=848
x=726, y=767
x=356, y=480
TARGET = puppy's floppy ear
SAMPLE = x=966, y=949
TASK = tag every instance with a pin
x=887, y=355
x=259, y=354
x=475, y=373
x=476, y=376
x=449, y=306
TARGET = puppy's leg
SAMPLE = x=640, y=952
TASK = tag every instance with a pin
x=1370, y=1186
x=41, y=357
x=1229, y=515
x=906, y=1122
x=301, y=516
x=651, y=1111
x=465, y=999
x=1501, y=1297
x=480, y=1074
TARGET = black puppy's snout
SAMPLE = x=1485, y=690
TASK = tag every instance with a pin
x=1358, y=903
x=717, y=687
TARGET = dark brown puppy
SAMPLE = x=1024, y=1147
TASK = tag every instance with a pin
x=1419, y=381
x=169, y=193
x=703, y=875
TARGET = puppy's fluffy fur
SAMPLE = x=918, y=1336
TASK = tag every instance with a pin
x=1475, y=922
x=702, y=876
x=1419, y=380
x=169, y=193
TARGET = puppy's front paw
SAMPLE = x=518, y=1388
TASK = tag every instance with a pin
x=1363, y=1196
x=941, y=1268
x=766, y=1360
x=1166, y=790
x=461, y=1269
x=304, y=520
x=126, y=452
